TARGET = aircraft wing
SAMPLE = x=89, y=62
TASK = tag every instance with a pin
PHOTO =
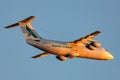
x=87, y=38
x=41, y=55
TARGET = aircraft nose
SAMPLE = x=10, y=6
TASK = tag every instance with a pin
x=109, y=56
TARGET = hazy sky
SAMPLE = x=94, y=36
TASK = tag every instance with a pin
x=63, y=20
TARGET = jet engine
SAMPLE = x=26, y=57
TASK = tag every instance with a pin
x=61, y=58
x=90, y=47
x=95, y=44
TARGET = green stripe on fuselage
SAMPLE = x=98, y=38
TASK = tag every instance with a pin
x=31, y=32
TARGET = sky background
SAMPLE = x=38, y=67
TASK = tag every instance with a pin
x=64, y=20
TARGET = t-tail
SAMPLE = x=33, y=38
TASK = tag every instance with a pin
x=27, y=28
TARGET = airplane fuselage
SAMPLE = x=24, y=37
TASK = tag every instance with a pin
x=84, y=47
x=56, y=48
x=65, y=49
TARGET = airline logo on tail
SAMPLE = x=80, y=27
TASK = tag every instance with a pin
x=31, y=32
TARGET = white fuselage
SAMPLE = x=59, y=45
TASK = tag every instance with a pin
x=53, y=47
x=64, y=49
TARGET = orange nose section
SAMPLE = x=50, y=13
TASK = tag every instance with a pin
x=109, y=56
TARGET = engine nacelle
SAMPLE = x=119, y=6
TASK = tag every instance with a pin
x=61, y=58
x=95, y=44
x=90, y=47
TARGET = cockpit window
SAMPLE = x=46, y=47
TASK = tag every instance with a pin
x=106, y=50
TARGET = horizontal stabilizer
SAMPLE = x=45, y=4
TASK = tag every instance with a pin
x=25, y=21
x=28, y=20
x=13, y=25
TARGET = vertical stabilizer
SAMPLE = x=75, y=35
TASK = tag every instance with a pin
x=27, y=28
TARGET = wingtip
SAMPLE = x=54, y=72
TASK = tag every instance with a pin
x=5, y=27
x=32, y=16
x=36, y=56
x=33, y=57
x=98, y=31
x=95, y=33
